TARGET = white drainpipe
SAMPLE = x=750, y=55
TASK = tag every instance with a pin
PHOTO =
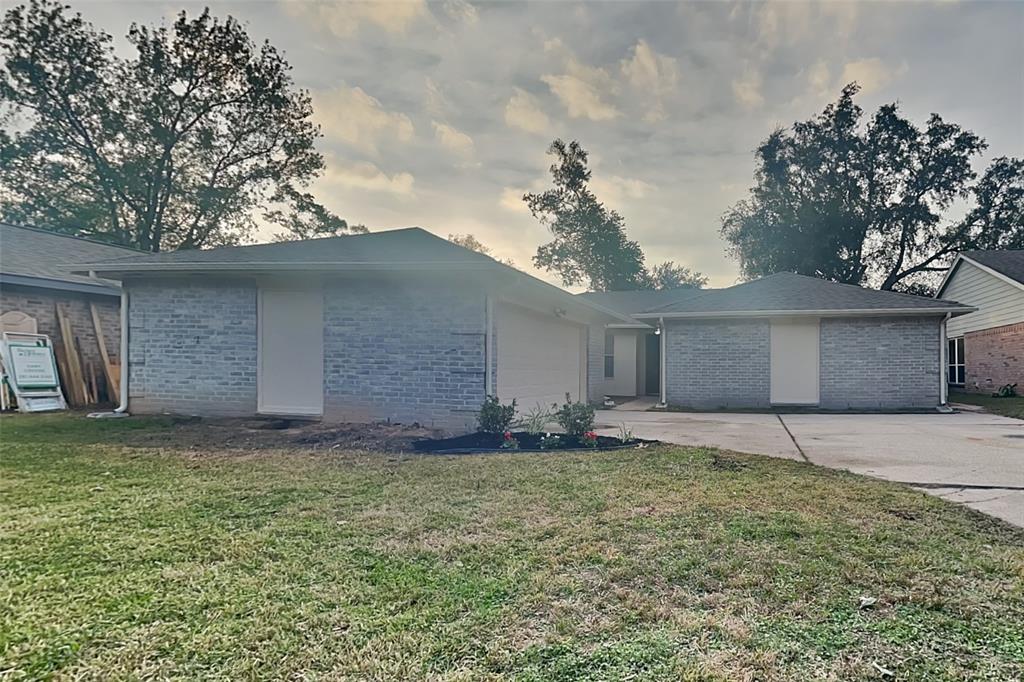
x=123, y=407
x=662, y=363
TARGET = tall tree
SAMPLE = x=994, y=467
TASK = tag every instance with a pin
x=590, y=246
x=469, y=241
x=182, y=145
x=871, y=203
x=668, y=275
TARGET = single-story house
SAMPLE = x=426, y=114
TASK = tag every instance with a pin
x=986, y=347
x=404, y=325
x=33, y=282
x=783, y=340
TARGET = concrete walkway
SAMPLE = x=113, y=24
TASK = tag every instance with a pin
x=973, y=458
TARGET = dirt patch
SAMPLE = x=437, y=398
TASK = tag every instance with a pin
x=261, y=434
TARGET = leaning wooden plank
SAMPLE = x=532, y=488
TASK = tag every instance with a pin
x=113, y=379
x=75, y=378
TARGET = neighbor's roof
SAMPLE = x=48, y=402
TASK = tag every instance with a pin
x=630, y=302
x=1007, y=263
x=790, y=294
x=410, y=249
x=33, y=257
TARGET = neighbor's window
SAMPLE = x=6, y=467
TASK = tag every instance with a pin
x=956, y=361
x=609, y=356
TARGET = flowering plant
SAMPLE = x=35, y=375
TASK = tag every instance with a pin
x=549, y=441
x=509, y=442
x=589, y=439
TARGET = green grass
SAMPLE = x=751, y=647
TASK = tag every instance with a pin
x=119, y=561
x=1008, y=407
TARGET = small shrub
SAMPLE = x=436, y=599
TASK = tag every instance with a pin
x=509, y=442
x=1006, y=391
x=550, y=441
x=625, y=433
x=495, y=417
x=589, y=439
x=576, y=418
x=535, y=420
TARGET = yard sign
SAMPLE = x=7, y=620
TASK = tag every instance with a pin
x=30, y=370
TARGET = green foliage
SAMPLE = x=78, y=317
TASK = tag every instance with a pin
x=625, y=433
x=1006, y=391
x=550, y=441
x=870, y=203
x=668, y=275
x=576, y=418
x=534, y=421
x=177, y=140
x=495, y=417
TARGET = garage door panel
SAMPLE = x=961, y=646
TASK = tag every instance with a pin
x=540, y=358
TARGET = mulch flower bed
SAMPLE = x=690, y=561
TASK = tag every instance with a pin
x=522, y=441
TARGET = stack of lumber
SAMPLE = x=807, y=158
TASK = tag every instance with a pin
x=84, y=383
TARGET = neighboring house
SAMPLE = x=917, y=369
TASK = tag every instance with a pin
x=32, y=281
x=986, y=347
x=404, y=325
x=783, y=340
x=398, y=325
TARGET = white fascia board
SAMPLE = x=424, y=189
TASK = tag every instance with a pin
x=853, y=312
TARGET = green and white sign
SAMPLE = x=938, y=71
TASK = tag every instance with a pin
x=33, y=366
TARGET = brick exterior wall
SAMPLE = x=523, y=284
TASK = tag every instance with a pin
x=39, y=303
x=865, y=363
x=994, y=357
x=192, y=348
x=883, y=363
x=712, y=364
x=404, y=352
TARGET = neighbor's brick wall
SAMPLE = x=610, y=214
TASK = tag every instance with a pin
x=994, y=357
x=714, y=364
x=39, y=303
x=192, y=348
x=880, y=363
x=404, y=351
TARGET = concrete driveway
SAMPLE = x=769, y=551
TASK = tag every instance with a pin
x=968, y=457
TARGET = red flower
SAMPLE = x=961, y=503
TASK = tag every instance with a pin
x=508, y=435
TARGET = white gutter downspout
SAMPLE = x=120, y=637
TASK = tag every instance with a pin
x=123, y=407
x=662, y=361
x=488, y=351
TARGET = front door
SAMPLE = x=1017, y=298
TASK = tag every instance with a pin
x=291, y=352
x=794, y=362
x=652, y=369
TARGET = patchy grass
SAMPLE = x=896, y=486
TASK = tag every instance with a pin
x=1008, y=407
x=119, y=561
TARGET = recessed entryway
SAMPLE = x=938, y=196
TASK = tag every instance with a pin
x=291, y=352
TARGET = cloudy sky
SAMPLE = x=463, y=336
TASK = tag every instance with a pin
x=439, y=114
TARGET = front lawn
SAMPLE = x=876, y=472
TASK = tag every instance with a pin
x=126, y=553
x=1008, y=407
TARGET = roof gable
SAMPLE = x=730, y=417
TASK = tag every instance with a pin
x=1007, y=265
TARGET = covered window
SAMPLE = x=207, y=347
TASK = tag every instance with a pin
x=956, y=361
x=609, y=356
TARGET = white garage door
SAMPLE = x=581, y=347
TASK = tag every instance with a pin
x=540, y=358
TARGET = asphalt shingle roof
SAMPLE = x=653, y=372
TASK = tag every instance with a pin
x=1007, y=262
x=42, y=254
x=393, y=247
x=782, y=292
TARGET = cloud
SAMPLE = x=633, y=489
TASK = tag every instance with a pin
x=819, y=78
x=747, y=89
x=523, y=112
x=615, y=188
x=344, y=19
x=872, y=74
x=352, y=116
x=461, y=11
x=654, y=74
x=582, y=89
x=452, y=139
x=512, y=200
x=363, y=175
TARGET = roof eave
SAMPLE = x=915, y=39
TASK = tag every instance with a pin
x=99, y=288
x=118, y=270
x=845, y=312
